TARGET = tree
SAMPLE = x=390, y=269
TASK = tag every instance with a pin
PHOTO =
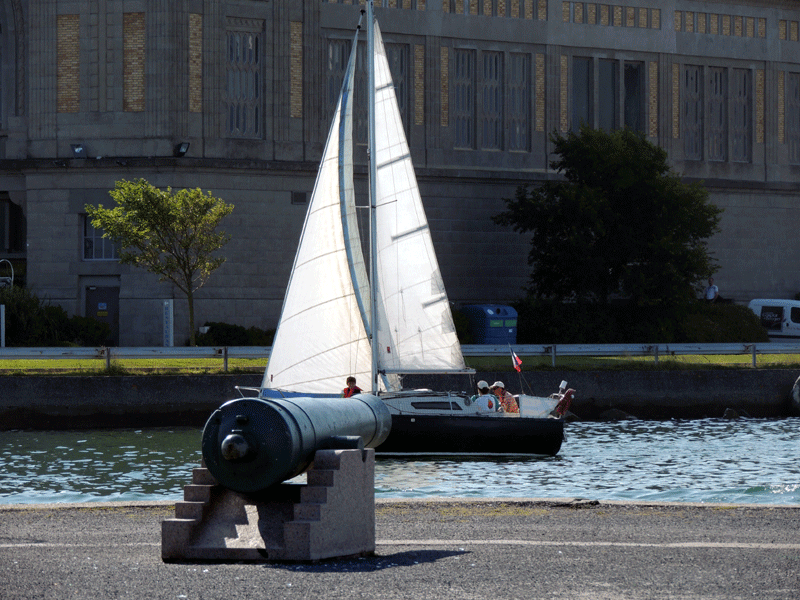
x=620, y=222
x=170, y=235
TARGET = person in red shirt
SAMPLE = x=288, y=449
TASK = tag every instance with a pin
x=351, y=388
x=506, y=399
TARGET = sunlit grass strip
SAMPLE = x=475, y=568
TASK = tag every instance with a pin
x=185, y=366
x=132, y=366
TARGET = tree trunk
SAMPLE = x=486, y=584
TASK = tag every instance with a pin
x=190, y=300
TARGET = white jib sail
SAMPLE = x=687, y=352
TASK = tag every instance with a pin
x=321, y=338
x=418, y=332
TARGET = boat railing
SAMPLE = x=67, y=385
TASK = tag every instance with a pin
x=656, y=351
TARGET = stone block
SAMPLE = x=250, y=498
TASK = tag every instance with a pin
x=332, y=515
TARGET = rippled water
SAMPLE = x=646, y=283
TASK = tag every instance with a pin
x=746, y=461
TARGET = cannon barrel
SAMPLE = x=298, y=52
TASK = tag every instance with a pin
x=250, y=444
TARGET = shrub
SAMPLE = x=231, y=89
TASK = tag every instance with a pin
x=722, y=323
x=33, y=322
x=225, y=334
x=546, y=321
x=87, y=331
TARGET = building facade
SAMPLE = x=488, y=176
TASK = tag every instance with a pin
x=94, y=91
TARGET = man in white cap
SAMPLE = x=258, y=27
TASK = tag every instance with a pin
x=507, y=402
x=487, y=402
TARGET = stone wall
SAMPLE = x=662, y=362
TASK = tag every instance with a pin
x=28, y=402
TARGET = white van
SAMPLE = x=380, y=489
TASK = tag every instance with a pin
x=781, y=318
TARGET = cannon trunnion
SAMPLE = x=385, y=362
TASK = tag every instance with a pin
x=250, y=444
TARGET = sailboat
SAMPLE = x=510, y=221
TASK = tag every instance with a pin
x=379, y=319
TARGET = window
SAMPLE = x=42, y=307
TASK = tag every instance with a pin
x=772, y=317
x=692, y=113
x=95, y=246
x=492, y=101
x=338, y=53
x=397, y=56
x=463, y=107
x=717, y=123
x=793, y=116
x=243, y=93
x=582, y=92
x=634, y=96
x=609, y=95
x=741, y=116
x=518, y=101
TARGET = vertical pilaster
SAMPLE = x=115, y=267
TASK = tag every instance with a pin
x=540, y=85
x=42, y=32
x=214, y=48
x=280, y=93
x=563, y=92
x=167, y=30
x=652, y=113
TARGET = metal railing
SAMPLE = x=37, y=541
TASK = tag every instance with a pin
x=550, y=350
x=654, y=350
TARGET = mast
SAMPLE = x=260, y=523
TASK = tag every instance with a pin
x=373, y=171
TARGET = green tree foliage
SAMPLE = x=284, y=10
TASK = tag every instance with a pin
x=619, y=223
x=172, y=235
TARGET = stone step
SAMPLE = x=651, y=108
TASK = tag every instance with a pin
x=197, y=493
x=202, y=476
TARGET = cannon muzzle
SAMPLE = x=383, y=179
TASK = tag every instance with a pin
x=250, y=444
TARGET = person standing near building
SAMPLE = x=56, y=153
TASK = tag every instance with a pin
x=712, y=291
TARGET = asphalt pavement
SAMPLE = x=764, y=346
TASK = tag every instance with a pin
x=426, y=549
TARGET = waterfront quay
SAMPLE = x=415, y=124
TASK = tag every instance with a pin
x=433, y=548
x=75, y=402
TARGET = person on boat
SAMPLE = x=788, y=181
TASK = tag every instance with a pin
x=485, y=399
x=351, y=388
x=507, y=402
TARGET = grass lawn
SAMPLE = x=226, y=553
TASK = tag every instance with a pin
x=131, y=366
x=170, y=366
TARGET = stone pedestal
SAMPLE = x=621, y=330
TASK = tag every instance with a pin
x=332, y=515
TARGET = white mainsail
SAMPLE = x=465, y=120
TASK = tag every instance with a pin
x=418, y=334
x=324, y=333
x=321, y=337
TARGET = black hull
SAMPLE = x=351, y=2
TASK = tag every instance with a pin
x=473, y=435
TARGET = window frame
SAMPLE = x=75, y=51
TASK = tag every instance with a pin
x=244, y=93
x=95, y=236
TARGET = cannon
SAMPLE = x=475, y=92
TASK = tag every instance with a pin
x=251, y=444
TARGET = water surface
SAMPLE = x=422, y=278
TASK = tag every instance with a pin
x=709, y=460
